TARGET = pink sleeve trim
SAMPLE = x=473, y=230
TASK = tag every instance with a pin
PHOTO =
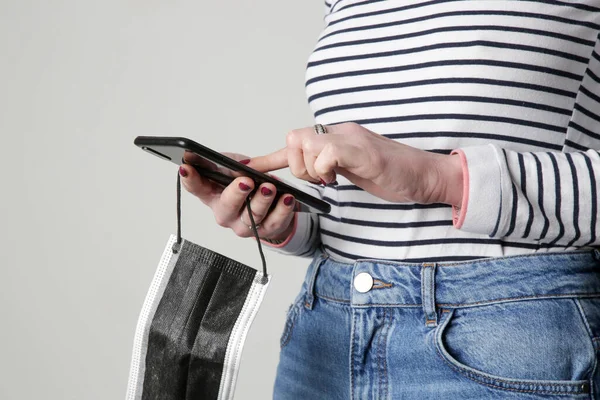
x=287, y=240
x=459, y=213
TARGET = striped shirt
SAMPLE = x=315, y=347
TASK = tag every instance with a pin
x=512, y=86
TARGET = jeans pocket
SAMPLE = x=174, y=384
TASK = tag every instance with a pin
x=538, y=346
x=290, y=319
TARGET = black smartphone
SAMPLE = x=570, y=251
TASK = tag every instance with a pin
x=208, y=163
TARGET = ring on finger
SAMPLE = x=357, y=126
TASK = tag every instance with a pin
x=249, y=226
x=320, y=129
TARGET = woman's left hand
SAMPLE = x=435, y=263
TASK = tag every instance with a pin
x=383, y=167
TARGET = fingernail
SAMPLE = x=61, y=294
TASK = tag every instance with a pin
x=322, y=182
x=244, y=187
x=246, y=161
x=288, y=201
x=182, y=172
x=265, y=191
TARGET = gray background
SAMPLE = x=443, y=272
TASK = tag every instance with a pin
x=85, y=214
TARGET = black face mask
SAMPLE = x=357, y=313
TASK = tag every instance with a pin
x=193, y=324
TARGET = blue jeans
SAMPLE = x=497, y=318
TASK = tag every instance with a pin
x=518, y=327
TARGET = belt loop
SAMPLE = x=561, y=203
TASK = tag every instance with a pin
x=310, y=290
x=428, y=293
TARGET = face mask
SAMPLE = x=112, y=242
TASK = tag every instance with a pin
x=194, y=321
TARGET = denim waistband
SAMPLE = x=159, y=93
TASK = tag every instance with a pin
x=455, y=284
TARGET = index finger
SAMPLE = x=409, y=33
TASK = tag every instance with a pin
x=270, y=162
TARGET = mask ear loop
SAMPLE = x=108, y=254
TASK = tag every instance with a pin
x=177, y=246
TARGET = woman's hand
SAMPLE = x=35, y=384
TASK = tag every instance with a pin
x=381, y=166
x=229, y=203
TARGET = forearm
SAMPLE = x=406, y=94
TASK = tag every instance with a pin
x=547, y=197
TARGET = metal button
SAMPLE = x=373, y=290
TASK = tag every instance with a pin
x=363, y=282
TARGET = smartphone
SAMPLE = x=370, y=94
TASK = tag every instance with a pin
x=213, y=165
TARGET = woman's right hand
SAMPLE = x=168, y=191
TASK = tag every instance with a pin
x=229, y=203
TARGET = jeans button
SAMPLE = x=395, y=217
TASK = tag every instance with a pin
x=363, y=282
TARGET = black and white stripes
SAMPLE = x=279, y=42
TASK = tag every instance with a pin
x=513, y=84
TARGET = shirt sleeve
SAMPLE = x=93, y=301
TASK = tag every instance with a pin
x=305, y=238
x=548, y=197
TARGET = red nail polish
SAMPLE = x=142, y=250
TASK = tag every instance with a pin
x=288, y=201
x=244, y=187
x=182, y=172
x=265, y=191
x=246, y=161
x=322, y=182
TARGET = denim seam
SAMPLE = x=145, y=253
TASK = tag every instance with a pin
x=291, y=322
x=352, y=339
x=367, y=305
x=385, y=366
x=432, y=294
x=480, y=260
x=571, y=388
x=423, y=299
x=333, y=299
x=460, y=305
x=592, y=386
x=483, y=302
x=310, y=287
x=379, y=360
x=592, y=373
x=505, y=299
x=584, y=318
x=588, y=329
x=381, y=357
x=288, y=334
x=474, y=379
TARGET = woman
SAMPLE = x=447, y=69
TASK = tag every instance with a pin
x=458, y=148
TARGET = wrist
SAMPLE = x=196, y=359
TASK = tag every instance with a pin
x=451, y=172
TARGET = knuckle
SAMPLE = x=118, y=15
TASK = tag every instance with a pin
x=240, y=231
x=351, y=126
x=258, y=215
x=292, y=137
x=266, y=226
x=320, y=170
x=331, y=149
x=270, y=227
x=220, y=220
x=299, y=172
x=275, y=222
x=308, y=144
